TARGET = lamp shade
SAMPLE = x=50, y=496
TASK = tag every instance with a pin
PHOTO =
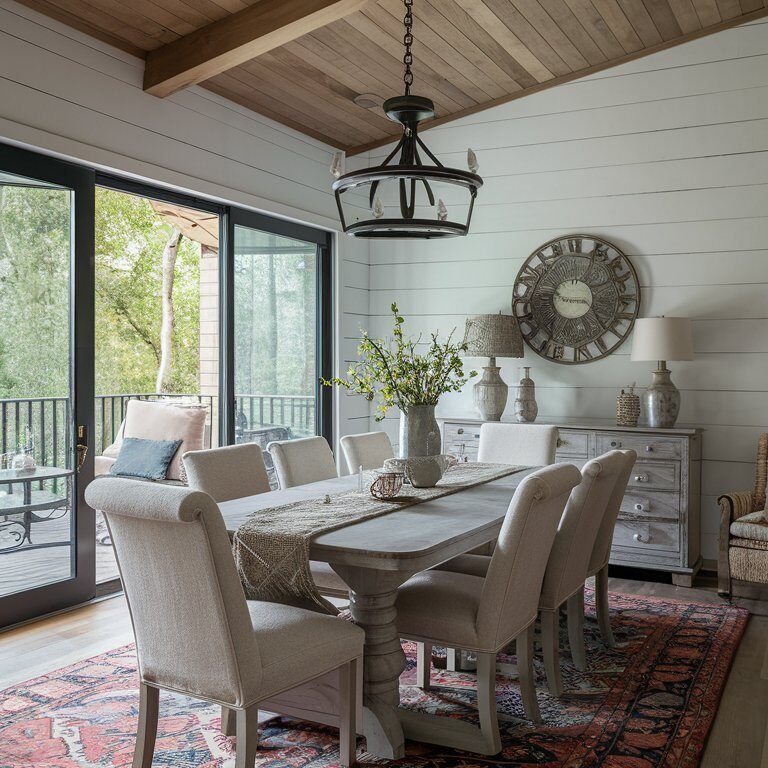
x=493, y=336
x=662, y=338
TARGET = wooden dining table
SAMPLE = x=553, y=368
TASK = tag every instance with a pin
x=374, y=557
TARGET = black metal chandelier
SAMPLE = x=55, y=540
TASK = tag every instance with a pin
x=369, y=212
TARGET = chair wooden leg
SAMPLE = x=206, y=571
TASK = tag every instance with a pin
x=348, y=713
x=576, y=630
x=247, y=729
x=550, y=643
x=601, y=605
x=423, y=665
x=524, y=645
x=149, y=701
x=450, y=659
x=486, y=702
x=228, y=719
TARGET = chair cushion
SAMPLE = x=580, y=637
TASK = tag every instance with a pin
x=748, y=544
x=472, y=564
x=163, y=421
x=145, y=458
x=440, y=606
x=751, y=526
x=296, y=645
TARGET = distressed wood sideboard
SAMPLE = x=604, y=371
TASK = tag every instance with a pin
x=659, y=522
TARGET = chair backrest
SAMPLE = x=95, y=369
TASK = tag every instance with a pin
x=601, y=552
x=368, y=450
x=532, y=445
x=569, y=559
x=190, y=618
x=298, y=462
x=231, y=472
x=510, y=598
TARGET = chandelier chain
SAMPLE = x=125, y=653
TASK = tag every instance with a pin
x=407, y=42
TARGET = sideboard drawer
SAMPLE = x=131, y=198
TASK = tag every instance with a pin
x=646, y=446
x=655, y=474
x=572, y=443
x=461, y=440
x=641, y=535
x=663, y=505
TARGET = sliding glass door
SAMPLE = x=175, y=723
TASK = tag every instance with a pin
x=46, y=303
x=281, y=330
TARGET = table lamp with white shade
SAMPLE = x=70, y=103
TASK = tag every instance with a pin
x=662, y=339
x=492, y=336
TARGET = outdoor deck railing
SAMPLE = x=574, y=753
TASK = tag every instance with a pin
x=49, y=421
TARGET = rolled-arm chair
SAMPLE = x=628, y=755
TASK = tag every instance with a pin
x=743, y=553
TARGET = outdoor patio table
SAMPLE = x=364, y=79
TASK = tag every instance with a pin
x=374, y=557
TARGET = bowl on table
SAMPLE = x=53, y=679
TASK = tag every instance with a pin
x=422, y=471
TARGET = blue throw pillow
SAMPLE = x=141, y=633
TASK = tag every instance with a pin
x=145, y=458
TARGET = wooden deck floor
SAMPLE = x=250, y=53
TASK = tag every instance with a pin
x=28, y=568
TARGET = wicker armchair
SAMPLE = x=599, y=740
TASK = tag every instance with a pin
x=743, y=554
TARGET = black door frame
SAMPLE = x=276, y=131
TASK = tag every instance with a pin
x=324, y=325
x=34, y=602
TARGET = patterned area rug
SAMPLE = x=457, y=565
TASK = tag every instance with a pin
x=648, y=703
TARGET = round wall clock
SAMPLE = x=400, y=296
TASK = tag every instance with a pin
x=576, y=299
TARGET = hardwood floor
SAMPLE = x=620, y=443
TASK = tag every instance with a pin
x=739, y=737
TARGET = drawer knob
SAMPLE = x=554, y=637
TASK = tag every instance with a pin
x=639, y=507
x=615, y=443
x=641, y=478
x=477, y=435
x=460, y=431
x=561, y=442
x=640, y=539
x=649, y=449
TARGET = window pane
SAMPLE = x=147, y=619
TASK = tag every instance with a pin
x=275, y=337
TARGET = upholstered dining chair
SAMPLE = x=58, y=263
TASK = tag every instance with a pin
x=601, y=552
x=531, y=445
x=307, y=460
x=566, y=568
x=229, y=472
x=236, y=471
x=368, y=450
x=195, y=632
x=485, y=614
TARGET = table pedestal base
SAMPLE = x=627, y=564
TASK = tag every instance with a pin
x=372, y=603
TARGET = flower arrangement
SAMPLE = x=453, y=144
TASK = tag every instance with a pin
x=392, y=372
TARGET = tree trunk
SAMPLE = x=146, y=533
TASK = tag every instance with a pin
x=163, y=382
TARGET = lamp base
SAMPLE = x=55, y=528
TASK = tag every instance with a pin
x=490, y=394
x=662, y=400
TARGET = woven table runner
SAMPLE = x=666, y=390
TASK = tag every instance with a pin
x=272, y=547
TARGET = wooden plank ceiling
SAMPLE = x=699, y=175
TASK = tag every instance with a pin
x=304, y=63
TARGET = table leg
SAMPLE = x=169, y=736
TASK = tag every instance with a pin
x=372, y=603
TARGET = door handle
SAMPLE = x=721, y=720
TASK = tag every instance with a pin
x=82, y=446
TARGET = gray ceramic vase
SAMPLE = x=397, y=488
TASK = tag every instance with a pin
x=419, y=432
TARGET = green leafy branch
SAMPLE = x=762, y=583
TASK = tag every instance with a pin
x=394, y=374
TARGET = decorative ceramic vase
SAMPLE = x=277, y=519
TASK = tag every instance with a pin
x=419, y=432
x=526, y=409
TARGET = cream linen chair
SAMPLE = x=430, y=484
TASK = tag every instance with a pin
x=368, y=450
x=195, y=632
x=298, y=462
x=236, y=471
x=486, y=614
x=601, y=553
x=226, y=473
x=568, y=562
x=532, y=445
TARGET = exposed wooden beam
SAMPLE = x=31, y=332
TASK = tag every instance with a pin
x=226, y=43
x=727, y=24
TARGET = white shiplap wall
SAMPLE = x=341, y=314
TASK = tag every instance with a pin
x=668, y=158
x=70, y=95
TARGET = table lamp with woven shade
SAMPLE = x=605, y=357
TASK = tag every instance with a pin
x=662, y=339
x=492, y=336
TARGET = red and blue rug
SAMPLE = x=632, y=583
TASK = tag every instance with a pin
x=648, y=703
